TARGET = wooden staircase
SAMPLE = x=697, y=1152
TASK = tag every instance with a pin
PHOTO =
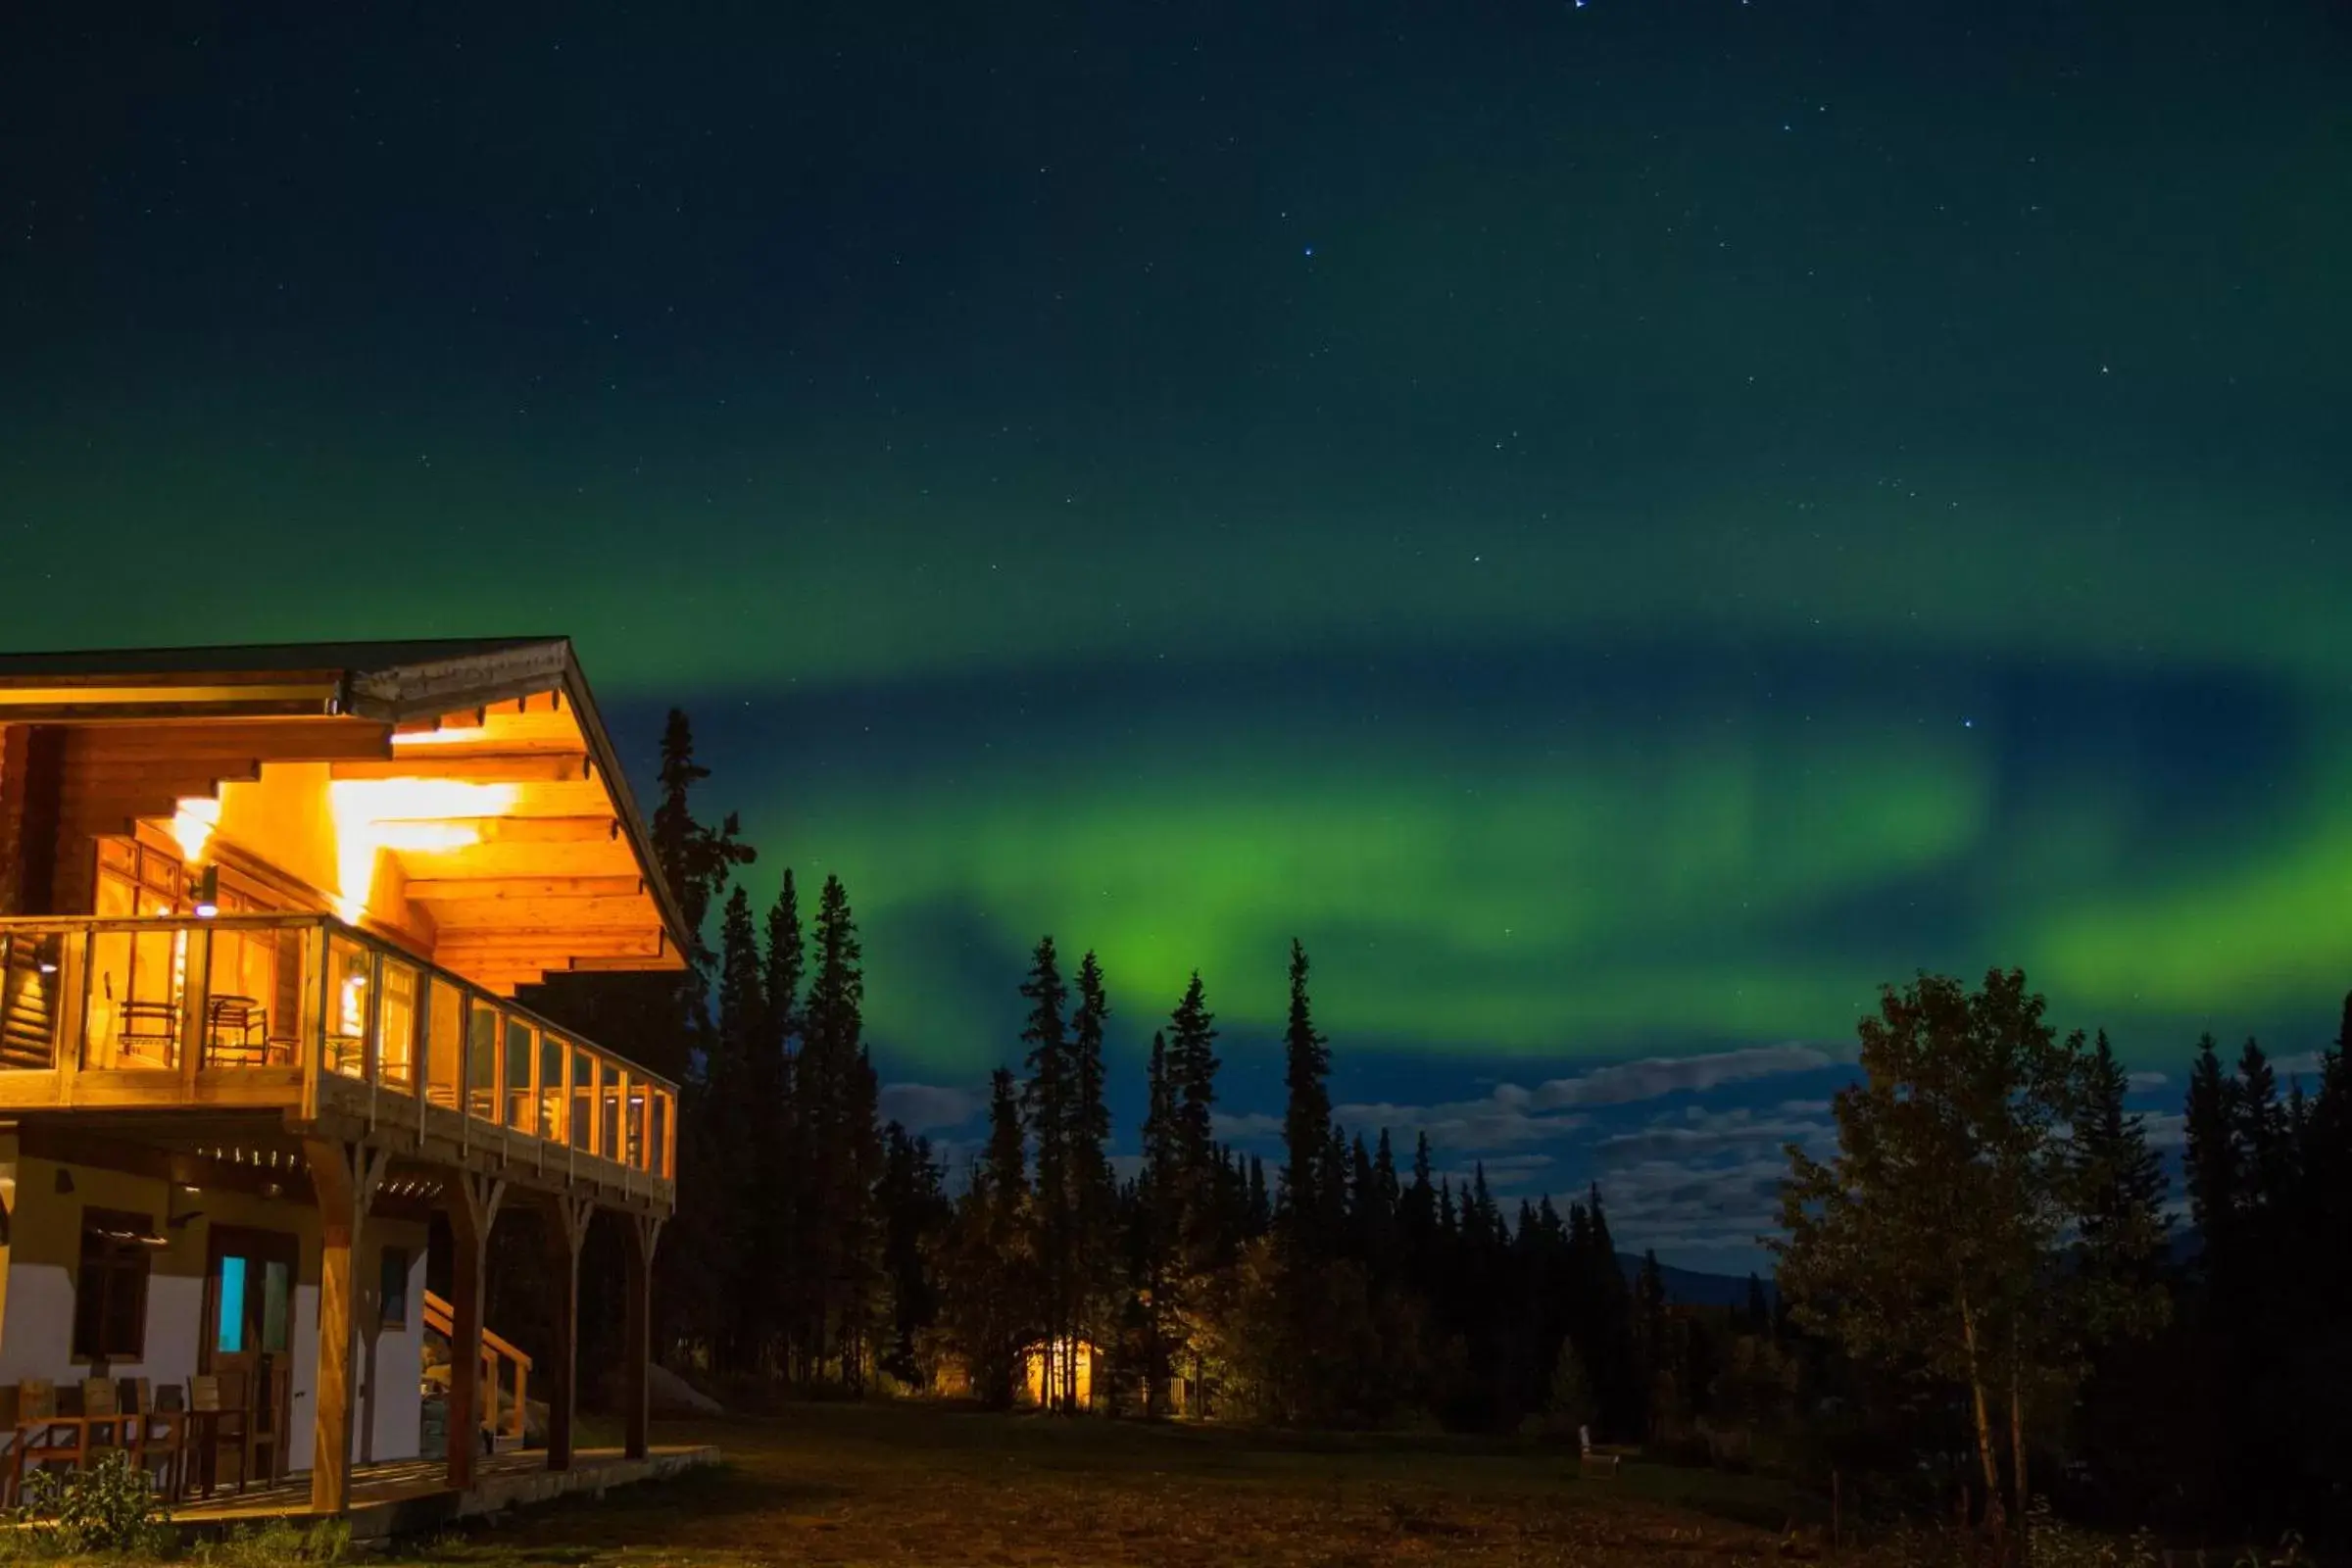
x=504, y=1402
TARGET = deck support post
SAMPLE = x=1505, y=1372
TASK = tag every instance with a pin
x=568, y=1220
x=471, y=1201
x=637, y=1340
x=345, y=1177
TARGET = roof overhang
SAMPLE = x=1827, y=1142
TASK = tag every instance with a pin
x=392, y=690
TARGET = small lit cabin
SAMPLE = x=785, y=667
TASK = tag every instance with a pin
x=263, y=912
x=1051, y=1367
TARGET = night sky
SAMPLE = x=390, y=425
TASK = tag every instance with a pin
x=1622, y=524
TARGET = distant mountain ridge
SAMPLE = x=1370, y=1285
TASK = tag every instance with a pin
x=1686, y=1287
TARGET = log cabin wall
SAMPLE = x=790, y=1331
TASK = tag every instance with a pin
x=111, y=776
x=30, y=756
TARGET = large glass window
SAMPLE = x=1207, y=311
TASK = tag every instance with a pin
x=349, y=996
x=137, y=979
x=657, y=1143
x=608, y=1119
x=519, y=1041
x=481, y=1063
x=445, y=1054
x=396, y=1032
x=553, y=1053
x=583, y=1097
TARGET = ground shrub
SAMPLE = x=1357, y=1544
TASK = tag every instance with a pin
x=109, y=1509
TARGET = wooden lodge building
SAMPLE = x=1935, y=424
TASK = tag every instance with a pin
x=263, y=914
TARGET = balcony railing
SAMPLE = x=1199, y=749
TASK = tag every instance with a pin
x=305, y=1011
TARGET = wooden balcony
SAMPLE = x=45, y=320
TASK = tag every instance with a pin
x=334, y=1030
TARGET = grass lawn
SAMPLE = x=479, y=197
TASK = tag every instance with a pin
x=915, y=1485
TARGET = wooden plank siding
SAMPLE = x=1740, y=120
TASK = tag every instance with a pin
x=111, y=776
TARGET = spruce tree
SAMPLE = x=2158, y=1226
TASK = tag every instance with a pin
x=843, y=1142
x=1192, y=1094
x=1306, y=1121
x=726, y=1161
x=1094, y=1258
x=991, y=1310
x=1046, y=1099
x=2213, y=1159
x=1159, y=1217
x=2122, y=1232
x=784, y=1164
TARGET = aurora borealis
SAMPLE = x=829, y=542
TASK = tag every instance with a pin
x=1622, y=525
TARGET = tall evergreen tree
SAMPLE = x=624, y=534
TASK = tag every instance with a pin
x=1046, y=1098
x=783, y=1160
x=915, y=1214
x=835, y=1099
x=2214, y=1159
x=1091, y=1202
x=727, y=1161
x=992, y=1310
x=1306, y=1184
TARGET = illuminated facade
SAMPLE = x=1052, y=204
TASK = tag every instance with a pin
x=263, y=914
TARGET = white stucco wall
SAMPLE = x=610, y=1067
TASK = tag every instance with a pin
x=42, y=1259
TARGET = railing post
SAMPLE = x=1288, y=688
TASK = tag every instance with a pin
x=472, y=1202
x=637, y=1341
x=194, y=1007
x=345, y=1178
x=199, y=1008
x=567, y=1231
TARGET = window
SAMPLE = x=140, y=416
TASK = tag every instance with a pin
x=519, y=1041
x=110, y=1295
x=392, y=1288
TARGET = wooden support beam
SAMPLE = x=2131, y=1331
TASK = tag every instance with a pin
x=637, y=1337
x=568, y=1220
x=584, y=829
x=471, y=1201
x=345, y=1177
x=519, y=889
x=456, y=921
x=487, y=767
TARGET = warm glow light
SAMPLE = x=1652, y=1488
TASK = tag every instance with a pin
x=192, y=826
x=402, y=813
x=441, y=737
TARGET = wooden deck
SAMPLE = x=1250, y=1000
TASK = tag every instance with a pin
x=406, y=1496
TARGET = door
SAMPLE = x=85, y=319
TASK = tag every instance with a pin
x=249, y=1325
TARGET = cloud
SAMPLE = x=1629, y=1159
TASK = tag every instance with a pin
x=2140, y=1082
x=2166, y=1129
x=1701, y=1131
x=1675, y=1207
x=1659, y=1076
x=1246, y=1126
x=1514, y=1115
x=930, y=1108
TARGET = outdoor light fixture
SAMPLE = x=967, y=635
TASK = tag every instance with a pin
x=208, y=892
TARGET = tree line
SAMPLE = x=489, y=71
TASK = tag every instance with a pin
x=1986, y=1268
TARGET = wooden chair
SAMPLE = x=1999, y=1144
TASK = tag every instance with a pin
x=161, y=1432
x=149, y=1031
x=105, y=1425
x=237, y=1032
x=219, y=1421
x=44, y=1433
